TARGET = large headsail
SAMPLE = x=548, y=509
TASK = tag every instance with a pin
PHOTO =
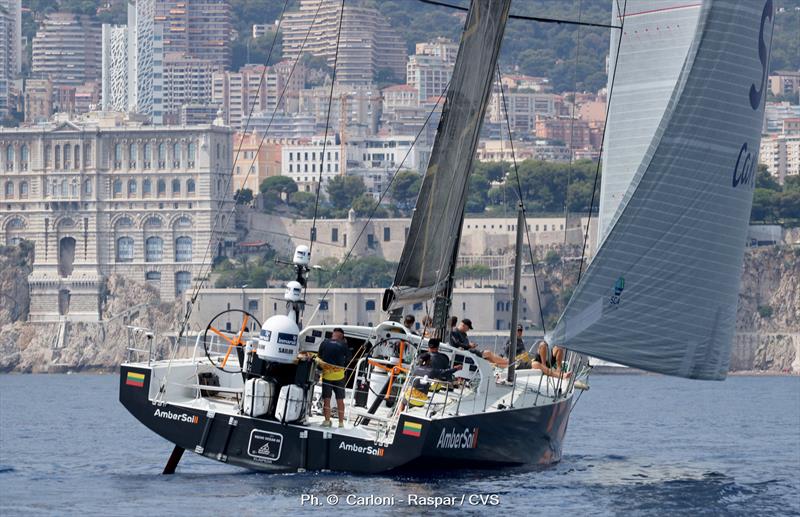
x=661, y=292
x=430, y=246
x=657, y=39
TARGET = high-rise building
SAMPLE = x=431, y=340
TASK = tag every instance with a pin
x=239, y=93
x=114, y=91
x=103, y=195
x=187, y=80
x=10, y=50
x=67, y=50
x=429, y=75
x=133, y=63
x=369, y=48
x=199, y=29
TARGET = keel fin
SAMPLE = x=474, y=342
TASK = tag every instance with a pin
x=174, y=459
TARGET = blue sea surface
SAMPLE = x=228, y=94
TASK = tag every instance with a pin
x=636, y=445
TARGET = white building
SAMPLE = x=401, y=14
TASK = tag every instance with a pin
x=102, y=195
x=133, y=63
x=307, y=162
x=522, y=106
x=429, y=75
x=781, y=155
x=10, y=49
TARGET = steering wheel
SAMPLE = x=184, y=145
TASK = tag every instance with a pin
x=250, y=326
x=392, y=370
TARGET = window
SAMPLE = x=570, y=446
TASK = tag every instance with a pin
x=131, y=186
x=183, y=249
x=252, y=306
x=147, y=155
x=370, y=305
x=176, y=186
x=23, y=189
x=23, y=157
x=183, y=281
x=87, y=155
x=153, y=249
x=117, y=187
x=125, y=249
x=76, y=153
x=117, y=156
x=132, y=155
x=370, y=241
x=152, y=276
x=417, y=307
x=87, y=187
x=47, y=155
x=9, y=157
x=323, y=305
x=387, y=234
x=334, y=234
x=162, y=187
x=162, y=155
x=190, y=187
x=176, y=154
x=57, y=155
x=147, y=187
x=9, y=190
x=192, y=152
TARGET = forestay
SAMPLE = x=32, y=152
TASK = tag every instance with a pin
x=430, y=246
x=661, y=292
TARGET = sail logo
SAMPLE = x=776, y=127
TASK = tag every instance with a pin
x=467, y=439
x=180, y=417
x=619, y=286
x=368, y=450
x=744, y=172
x=756, y=94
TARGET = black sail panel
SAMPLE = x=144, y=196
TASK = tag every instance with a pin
x=430, y=249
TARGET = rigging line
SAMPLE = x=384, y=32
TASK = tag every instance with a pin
x=263, y=137
x=241, y=144
x=529, y=18
x=522, y=202
x=199, y=286
x=602, y=146
x=571, y=140
x=313, y=235
x=378, y=203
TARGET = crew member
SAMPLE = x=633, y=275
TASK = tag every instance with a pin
x=521, y=356
x=550, y=365
x=332, y=358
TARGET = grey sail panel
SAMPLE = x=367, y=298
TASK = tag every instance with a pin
x=661, y=293
x=430, y=245
x=656, y=41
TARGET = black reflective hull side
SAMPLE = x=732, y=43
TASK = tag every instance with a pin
x=514, y=436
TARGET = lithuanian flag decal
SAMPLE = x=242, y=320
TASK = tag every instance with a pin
x=412, y=429
x=135, y=379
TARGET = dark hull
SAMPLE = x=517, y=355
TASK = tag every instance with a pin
x=510, y=437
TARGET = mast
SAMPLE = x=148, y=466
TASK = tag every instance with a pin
x=512, y=348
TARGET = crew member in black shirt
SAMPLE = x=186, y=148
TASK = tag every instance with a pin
x=333, y=357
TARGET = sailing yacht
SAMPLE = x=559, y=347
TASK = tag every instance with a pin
x=687, y=88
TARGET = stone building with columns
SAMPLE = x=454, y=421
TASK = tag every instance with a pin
x=104, y=194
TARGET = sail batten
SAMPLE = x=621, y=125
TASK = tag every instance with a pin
x=662, y=290
x=428, y=255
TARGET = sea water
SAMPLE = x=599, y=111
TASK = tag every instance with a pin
x=636, y=445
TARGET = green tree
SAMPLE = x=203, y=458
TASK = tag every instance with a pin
x=243, y=196
x=365, y=203
x=405, y=189
x=303, y=203
x=343, y=190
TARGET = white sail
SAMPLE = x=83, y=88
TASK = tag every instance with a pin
x=655, y=44
x=661, y=292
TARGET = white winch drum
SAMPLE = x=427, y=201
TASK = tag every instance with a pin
x=278, y=340
x=377, y=379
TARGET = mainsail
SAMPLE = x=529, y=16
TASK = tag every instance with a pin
x=661, y=292
x=430, y=246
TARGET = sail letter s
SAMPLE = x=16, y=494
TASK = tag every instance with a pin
x=763, y=56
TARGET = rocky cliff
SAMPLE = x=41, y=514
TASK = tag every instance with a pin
x=768, y=327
